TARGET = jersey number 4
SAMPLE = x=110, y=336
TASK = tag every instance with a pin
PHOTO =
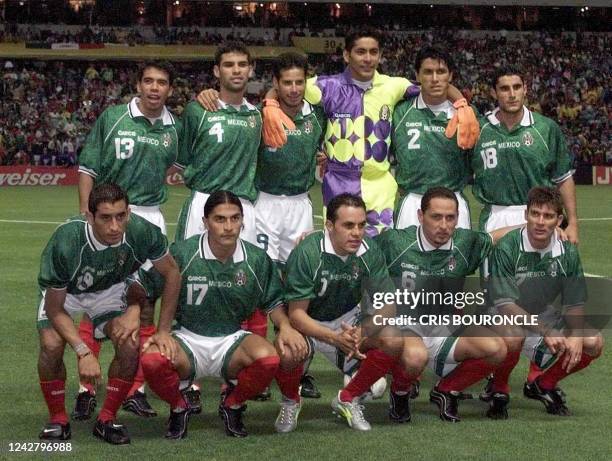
x=217, y=130
x=489, y=158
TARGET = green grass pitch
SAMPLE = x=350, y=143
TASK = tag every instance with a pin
x=27, y=218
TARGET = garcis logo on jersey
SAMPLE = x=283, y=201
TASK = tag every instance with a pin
x=166, y=140
x=527, y=139
x=240, y=278
x=452, y=263
x=252, y=121
x=385, y=112
x=308, y=127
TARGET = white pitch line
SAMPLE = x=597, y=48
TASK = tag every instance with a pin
x=595, y=276
x=17, y=221
x=594, y=219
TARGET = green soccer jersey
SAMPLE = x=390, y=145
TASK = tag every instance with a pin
x=290, y=170
x=532, y=278
x=507, y=164
x=74, y=259
x=219, y=149
x=425, y=156
x=415, y=265
x=125, y=148
x=217, y=297
x=334, y=284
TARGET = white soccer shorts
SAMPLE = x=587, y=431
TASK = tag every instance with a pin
x=280, y=221
x=152, y=214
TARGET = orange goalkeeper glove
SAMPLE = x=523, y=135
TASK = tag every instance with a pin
x=465, y=124
x=274, y=121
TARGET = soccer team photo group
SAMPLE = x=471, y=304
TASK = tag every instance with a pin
x=358, y=259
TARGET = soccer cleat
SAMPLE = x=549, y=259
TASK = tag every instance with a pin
x=553, y=399
x=115, y=434
x=308, y=387
x=352, y=412
x=487, y=394
x=55, y=431
x=263, y=396
x=137, y=403
x=415, y=389
x=232, y=420
x=177, y=424
x=288, y=416
x=399, y=407
x=84, y=406
x=448, y=403
x=192, y=398
x=498, y=406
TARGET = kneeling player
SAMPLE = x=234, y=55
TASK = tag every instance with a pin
x=530, y=268
x=327, y=274
x=83, y=270
x=224, y=279
x=436, y=257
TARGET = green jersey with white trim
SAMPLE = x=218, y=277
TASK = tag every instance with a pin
x=533, y=279
x=415, y=265
x=426, y=158
x=507, y=164
x=334, y=285
x=219, y=149
x=217, y=297
x=74, y=259
x=290, y=170
x=125, y=148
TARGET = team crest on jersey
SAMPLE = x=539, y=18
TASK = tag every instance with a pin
x=122, y=258
x=527, y=139
x=252, y=121
x=166, y=140
x=385, y=112
x=240, y=278
x=356, y=270
x=308, y=127
x=552, y=269
x=452, y=263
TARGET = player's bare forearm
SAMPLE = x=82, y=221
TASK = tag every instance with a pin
x=497, y=234
x=516, y=311
x=302, y=322
x=85, y=185
x=280, y=318
x=60, y=320
x=167, y=267
x=454, y=94
x=567, y=189
x=271, y=94
x=574, y=318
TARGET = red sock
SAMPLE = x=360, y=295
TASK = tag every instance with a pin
x=162, y=378
x=289, y=382
x=402, y=381
x=468, y=372
x=501, y=375
x=550, y=378
x=86, y=332
x=534, y=372
x=375, y=366
x=257, y=323
x=253, y=380
x=54, y=393
x=139, y=379
x=116, y=391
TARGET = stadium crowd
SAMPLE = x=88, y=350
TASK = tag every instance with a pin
x=47, y=107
